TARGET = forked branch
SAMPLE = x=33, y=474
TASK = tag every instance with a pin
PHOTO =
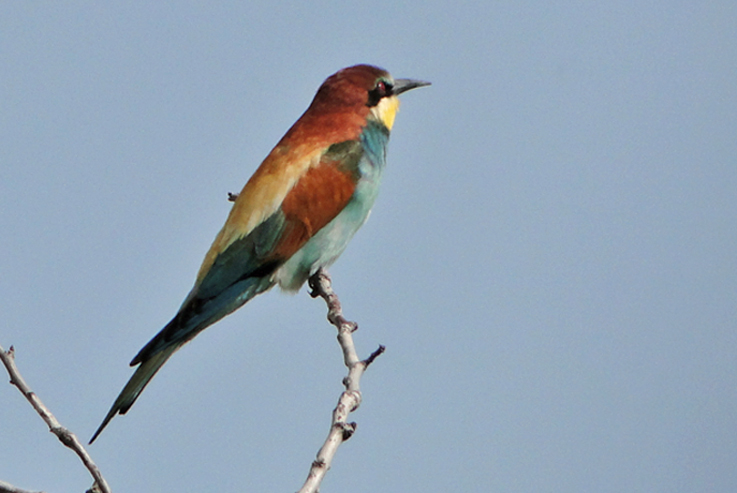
x=66, y=437
x=340, y=429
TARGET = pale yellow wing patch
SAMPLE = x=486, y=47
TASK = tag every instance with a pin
x=261, y=197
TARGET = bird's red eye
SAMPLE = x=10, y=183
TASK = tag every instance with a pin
x=381, y=90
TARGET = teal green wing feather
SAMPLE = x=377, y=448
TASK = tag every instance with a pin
x=237, y=275
x=244, y=268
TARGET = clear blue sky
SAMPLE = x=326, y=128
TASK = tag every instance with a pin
x=551, y=262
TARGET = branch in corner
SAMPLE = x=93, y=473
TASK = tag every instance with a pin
x=350, y=399
x=66, y=437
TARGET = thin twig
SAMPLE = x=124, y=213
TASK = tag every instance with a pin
x=350, y=399
x=66, y=437
x=9, y=488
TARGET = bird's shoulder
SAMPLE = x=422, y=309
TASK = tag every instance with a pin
x=304, y=182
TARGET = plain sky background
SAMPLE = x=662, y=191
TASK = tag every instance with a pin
x=551, y=263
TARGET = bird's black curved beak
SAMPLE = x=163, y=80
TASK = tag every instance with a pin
x=404, y=85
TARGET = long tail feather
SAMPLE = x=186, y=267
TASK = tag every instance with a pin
x=193, y=318
x=135, y=385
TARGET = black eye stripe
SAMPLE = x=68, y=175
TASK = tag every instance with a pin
x=382, y=89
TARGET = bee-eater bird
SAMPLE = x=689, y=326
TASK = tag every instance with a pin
x=294, y=216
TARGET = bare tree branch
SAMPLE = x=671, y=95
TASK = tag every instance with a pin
x=340, y=429
x=66, y=437
x=350, y=399
x=9, y=488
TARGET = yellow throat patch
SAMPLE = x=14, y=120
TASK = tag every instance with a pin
x=386, y=111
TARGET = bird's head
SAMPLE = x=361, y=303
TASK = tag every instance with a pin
x=365, y=88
